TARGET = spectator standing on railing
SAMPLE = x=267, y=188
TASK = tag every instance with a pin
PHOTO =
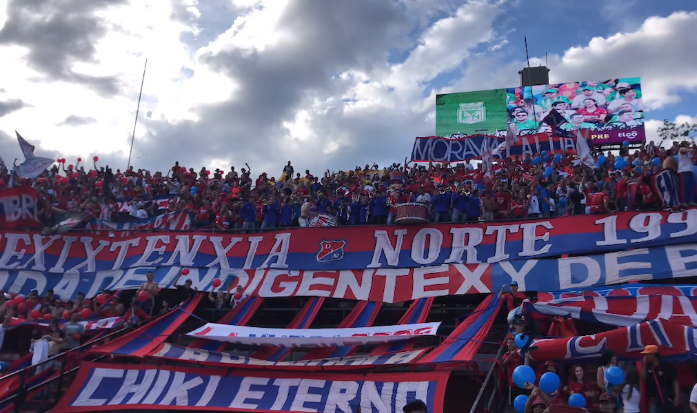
x=184, y=292
x=152, y=288
x=73, y=330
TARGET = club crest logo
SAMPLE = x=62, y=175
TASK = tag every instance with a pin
x=470, y=113
x=331, y=250
x=322, y=220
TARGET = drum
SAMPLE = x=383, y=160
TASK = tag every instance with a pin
x=397, y=177
x=411, y=213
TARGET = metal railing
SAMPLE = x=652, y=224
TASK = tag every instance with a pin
x=492, y=377
x=31, y=379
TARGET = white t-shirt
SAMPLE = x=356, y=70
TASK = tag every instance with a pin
x=534, y=205
x=631, y=404
x=684, y=162
x=39, y=350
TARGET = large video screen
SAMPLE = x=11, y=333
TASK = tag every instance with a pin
x=611, y=109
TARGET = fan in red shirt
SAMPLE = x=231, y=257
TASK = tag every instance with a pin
x=511, y=360
x=503, y=202
x=579, y=384
x=514, y=299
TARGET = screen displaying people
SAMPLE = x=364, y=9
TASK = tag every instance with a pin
x=596, y=105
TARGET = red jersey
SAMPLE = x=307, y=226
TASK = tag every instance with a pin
x=622, y=189
x=518, y=209
x=598, y=202
x=503, y=201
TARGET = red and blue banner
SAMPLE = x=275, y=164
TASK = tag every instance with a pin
x=388, y=284
x=674, y=340
x=622, y=311
x=142, y=341
x=627, y=290
x=174, y=221
x=388, y=264
x=467, y=338
x=107, y=387
x=19, y=208
x=459, y=148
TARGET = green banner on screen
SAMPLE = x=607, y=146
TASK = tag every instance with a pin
x=470, y=112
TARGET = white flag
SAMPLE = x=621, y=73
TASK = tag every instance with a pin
x=33, y=167
x=27, y=148
x=584, y=152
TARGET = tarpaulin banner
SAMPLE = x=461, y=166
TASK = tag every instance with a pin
x=458, y=149
x=628, y=290
x=316, y=337
x=673, y=338
x=215, y=358
x=622, y=311
x=124, y=205
x=101, y=324
x=106, y=387
x=19, y=208
x=348, y=248
x=178, y=221
x=388, y=284
x=612, y=109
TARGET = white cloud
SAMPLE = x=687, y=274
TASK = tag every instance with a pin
x=281, y=77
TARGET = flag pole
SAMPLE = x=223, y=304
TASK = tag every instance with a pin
x=532, y=97
x=135, y=123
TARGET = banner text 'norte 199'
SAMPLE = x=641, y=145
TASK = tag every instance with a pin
x=105, y=387
x=348, y=248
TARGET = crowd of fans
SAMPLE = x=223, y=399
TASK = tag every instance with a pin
x=514, y=188
x=660, y=383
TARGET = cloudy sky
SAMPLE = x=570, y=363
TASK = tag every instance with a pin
x=324, y=83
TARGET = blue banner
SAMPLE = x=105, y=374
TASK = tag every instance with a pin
x=458, y=149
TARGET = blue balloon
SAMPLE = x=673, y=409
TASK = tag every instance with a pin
x=577, y=400
x=537, y=160
x=520, y=401
x=619, y=163
x=638, y=169
x=521, y=339
x=545, y=158
x=194, y=190
x=601, y=159
x=549, y=382
x=614, y=376
x=523, y=374
x=625, y=143
x=656, y=161
x=544, y=153
x=557, y=158
x=676, y=158
x=636, y=162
